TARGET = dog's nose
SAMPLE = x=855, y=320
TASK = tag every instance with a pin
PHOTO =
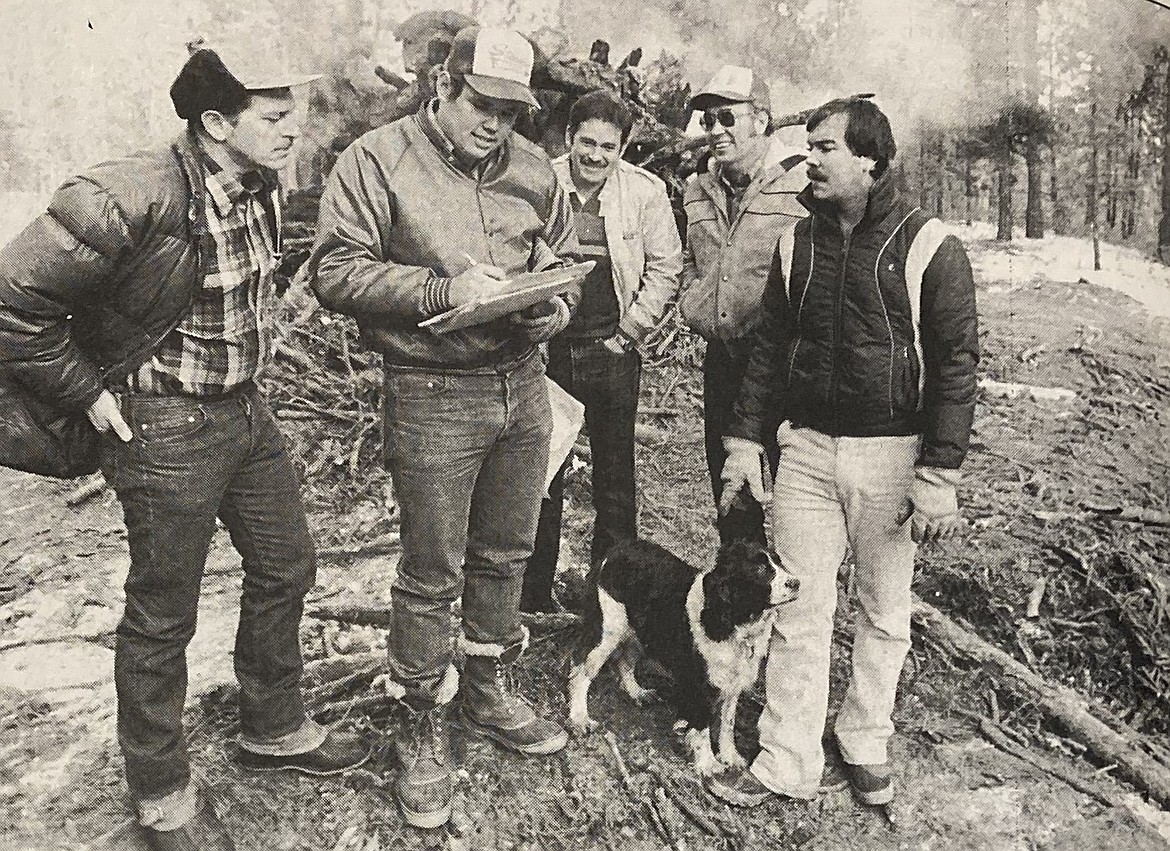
x=792, y=584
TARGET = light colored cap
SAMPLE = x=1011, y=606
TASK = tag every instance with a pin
x=495, y=62
x=258, y=69
x=734, y=84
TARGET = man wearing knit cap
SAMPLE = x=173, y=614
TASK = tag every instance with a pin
x=736, y=210
x=420, y=216
x=145, y=298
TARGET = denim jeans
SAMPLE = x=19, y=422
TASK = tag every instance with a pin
x=193, y=460
x=467, y=453
x=724, y=365
x=607, y=384
x=831, y=493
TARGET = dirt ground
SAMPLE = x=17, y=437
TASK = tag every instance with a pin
x=1037, y=474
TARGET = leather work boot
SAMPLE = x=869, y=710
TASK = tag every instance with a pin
x=338, y=753
x=492, y=707
x=425, y=784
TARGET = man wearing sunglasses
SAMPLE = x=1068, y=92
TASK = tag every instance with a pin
x=736, y=210
x=429, y=213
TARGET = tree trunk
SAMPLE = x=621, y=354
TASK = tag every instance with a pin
x=1034, y=216
x=1059, y=213
x=1164, y=222
x=968, y=184
x=940, y=177
x=1091, y=189
x=1109, y=189
x=923, y=188
x=1004, y=179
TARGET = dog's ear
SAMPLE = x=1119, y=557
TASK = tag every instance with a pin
x=717, y=617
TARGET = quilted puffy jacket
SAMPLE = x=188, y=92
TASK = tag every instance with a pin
x=871, y=334
x=92, y=285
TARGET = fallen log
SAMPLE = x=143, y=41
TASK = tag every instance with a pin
x=995, y=734
x=1060, y=703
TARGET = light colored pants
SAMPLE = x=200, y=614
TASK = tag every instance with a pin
x=829, y=493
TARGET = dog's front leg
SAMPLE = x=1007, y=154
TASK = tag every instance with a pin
x=704, y=759
x=728, y=754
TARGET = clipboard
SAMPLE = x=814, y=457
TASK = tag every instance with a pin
x=520, y=291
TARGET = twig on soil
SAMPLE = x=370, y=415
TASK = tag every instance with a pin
x=996, y=736
x=86, y=490
x=378, y=700
x=1036, y=597
x=388, y=544
x=657, y=818
x=1132, y=514
x=686, y=807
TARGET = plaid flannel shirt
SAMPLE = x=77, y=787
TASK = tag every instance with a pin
x=226, y=337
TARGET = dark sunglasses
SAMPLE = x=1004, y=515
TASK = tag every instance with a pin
x=724, y=116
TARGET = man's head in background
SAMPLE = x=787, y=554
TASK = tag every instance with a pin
x=736, y=108
x=598, y=131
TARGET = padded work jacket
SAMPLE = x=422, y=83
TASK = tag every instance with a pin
x=726, y=262
x=93, y=284
x=399, y=219
x=873, y=333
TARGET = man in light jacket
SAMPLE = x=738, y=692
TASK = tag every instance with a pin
x=624, y=224
x=736, y=210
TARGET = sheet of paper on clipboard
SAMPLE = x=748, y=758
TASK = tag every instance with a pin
x=521, y=291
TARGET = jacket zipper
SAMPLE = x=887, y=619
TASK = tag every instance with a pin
x=812, y=260
x=839, y=322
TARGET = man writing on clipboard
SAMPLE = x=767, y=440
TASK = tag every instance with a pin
x=421, y=216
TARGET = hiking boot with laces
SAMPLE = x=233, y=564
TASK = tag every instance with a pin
x=425, y=785
x=492, y=707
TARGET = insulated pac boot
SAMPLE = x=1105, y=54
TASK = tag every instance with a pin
x=492, y=707
x=425, y=784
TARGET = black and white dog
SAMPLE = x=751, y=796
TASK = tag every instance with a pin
x=709, y=630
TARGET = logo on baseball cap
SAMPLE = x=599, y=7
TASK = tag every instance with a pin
x=734, y=84
x=495, y=62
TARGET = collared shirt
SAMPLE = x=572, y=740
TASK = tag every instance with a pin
x=434, y=131
x=226, y=337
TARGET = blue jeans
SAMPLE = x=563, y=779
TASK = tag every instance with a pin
x=832, y=493
x=193, y=460
x=607, y=384
x=467, y=453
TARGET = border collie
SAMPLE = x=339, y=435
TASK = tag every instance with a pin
x=709, y=630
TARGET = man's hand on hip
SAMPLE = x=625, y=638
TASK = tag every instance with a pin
x=744, y=467
x=105, y=416
x=933, y=504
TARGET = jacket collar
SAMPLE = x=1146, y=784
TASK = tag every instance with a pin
x=446, y=149
x=224, y=189
x=778, y=158
x=884, y=197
